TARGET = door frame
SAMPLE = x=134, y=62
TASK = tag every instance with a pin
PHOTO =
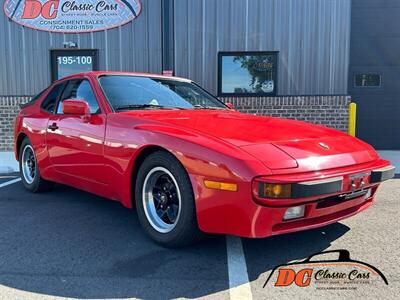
x=54, y=53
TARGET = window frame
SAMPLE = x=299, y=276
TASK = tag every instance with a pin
x=367, y=86
x=152, y=77
x=49, y=90
x=35, y=98
x=55, y=53
x=221, y=54
x=66, y=82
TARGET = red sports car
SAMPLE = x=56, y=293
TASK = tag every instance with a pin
x=188, y=162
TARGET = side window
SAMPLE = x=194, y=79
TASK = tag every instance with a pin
x=85, y=92
x=82, y=90
x=49, y=103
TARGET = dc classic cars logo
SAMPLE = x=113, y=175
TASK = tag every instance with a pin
x=72, y=16
x=342, y=273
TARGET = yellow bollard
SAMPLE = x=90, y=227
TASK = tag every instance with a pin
x=352, y=118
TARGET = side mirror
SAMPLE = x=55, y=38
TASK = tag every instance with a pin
x=77, y=107
x=230, y=105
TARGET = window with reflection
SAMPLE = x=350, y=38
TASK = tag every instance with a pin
x=247, y=73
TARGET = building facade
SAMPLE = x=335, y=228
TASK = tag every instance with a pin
x=287, y=58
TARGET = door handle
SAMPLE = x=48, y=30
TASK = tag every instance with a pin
x=53, y=127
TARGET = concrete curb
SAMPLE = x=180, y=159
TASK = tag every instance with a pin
x=8, y=163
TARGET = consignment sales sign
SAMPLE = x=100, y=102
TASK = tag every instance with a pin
x=72, y=16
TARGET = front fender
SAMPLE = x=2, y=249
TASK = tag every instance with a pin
x=204, y=154
x=201, y=155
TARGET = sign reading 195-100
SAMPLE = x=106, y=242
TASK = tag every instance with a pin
x=72, y=16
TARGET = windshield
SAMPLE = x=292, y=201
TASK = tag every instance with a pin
x=126, y=92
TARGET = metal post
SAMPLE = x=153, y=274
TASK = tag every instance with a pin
x=352, y=118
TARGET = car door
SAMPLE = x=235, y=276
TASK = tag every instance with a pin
x=75, y=145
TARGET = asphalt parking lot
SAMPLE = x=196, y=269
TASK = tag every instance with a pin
x=68, y=243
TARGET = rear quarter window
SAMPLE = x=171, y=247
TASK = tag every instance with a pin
x=49, y=103
x=34, y=99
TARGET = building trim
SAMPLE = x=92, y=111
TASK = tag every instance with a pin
x=167, y=34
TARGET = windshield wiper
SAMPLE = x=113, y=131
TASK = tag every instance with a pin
x=199, y=106
x=143, y=106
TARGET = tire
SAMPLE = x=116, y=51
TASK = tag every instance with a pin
x=29, y=169
x=165, y=202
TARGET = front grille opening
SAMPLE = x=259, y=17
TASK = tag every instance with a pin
x=339, y=199
x=331, y=201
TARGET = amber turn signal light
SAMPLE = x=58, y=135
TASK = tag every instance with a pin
x=274, y=190
x=216, y=185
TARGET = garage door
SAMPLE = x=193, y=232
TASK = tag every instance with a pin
x=374, y=74
x=378, y=107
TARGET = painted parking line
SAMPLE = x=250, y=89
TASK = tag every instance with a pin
x=239, y=285
x=10, y=182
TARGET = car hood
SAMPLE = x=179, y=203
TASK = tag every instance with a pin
x=279, y=143
x=237, y=128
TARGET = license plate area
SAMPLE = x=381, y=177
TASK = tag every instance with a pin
x=355, y=194
x=340, y=199
x=357, y=182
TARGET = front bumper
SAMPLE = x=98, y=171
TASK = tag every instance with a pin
x=326, y=201
x=322, y=212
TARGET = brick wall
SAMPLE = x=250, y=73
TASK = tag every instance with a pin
x=331, y=111
x=9, y=108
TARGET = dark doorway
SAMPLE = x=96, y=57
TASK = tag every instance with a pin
x=66, y=62
x=374, y=72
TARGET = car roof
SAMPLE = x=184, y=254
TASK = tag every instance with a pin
x=110, y=73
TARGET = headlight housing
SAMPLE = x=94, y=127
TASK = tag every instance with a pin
x=264, y=188
x=274, y=190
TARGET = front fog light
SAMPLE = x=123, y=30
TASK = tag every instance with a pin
x=294, y=212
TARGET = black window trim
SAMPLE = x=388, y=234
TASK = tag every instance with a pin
x=103, y=92
x=246, y=53
x=49, y=90
x=35, y=98
x=54, y=53
x=66, y=82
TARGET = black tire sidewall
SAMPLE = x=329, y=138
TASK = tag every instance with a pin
x=187, y=222
x=34, y=186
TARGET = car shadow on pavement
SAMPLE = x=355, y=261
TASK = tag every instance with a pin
x=265, y=254
x=70, y=243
